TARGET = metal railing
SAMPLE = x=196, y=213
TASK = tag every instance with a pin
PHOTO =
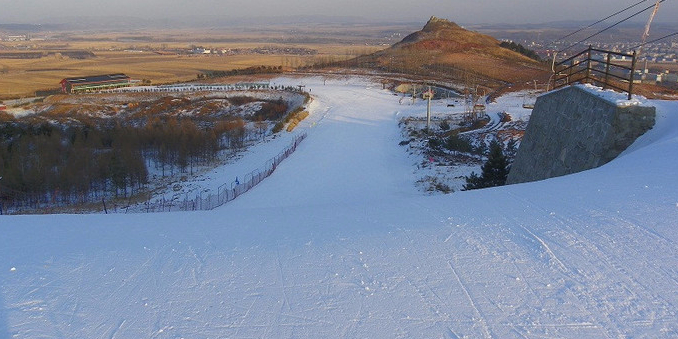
x=585, y=67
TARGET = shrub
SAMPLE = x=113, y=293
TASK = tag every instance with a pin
x=293, y=119
x=296, y=120
x=434, y=143
x=444, y=125
x=458, y=144
x=494, y=171
x=278, y=127
x=505, y=117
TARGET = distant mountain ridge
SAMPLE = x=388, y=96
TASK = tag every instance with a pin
x=27, y=27
x=118, y=22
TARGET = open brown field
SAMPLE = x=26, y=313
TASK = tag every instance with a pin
x=163, y=57
x=22, y=77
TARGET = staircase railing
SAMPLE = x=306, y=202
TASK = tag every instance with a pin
x=586, y=68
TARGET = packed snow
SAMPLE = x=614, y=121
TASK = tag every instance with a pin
x=620, y=99
x=339, y=243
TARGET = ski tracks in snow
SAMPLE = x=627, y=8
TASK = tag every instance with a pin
x=596, y=247
x=482, y=320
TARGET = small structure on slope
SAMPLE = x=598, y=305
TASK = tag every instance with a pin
x=95, y=83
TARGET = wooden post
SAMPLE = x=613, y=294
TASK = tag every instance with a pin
x=588, y=65
x=607, y=70
x=104, y=202
x=633, y=72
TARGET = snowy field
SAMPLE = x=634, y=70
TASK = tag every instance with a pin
x=339, y=243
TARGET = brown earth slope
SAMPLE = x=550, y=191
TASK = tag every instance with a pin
x=443, y=48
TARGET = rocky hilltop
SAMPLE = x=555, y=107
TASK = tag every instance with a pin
x=445, y=49
x=446, y=36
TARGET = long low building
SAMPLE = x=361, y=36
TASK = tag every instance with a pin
x=95, y=83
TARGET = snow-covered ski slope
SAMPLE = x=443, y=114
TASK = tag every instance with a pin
x=338, y=243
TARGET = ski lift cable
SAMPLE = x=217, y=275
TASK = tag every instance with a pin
x=655, y=40
x=601, y=20
x=611, y=26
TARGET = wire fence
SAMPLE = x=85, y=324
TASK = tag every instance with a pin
x=200, y=202
x=225, y=193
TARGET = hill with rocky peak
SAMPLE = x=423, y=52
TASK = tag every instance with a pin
x=445, y=49
x=446, y=36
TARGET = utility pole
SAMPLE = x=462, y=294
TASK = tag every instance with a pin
x=429, y=95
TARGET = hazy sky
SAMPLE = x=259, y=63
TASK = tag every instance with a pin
x=462, y=11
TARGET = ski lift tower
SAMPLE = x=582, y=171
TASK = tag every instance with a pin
x=474, y=108
x=428, y=95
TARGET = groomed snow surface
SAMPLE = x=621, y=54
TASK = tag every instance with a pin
x=338, y=243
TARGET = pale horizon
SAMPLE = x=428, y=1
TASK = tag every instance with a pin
x=462, y=11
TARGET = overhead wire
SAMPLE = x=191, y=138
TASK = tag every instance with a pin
x=655, y=40
x=610, y=27
x=601, y=20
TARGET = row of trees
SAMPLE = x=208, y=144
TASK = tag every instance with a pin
x=48, y=163
x=101, y=158
x=242, y=71
x=520, y=49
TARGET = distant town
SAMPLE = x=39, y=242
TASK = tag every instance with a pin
x=268, y=50
x=658, y=63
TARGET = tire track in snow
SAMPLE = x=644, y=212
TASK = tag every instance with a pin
x=281, y=276
x=350, y=330
x=485, y=242
x=117, y=329
x=484, y=245
x=594, y=295
x=638, y=290
x=548, y=250
x=443, y=318
x=482, y=318
x=138, y=272
x=614, y=262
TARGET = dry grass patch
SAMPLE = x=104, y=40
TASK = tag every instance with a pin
x=296, y=119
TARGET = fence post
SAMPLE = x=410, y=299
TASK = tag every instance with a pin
x=607, y=71
x=633, y=72
x=588, y=65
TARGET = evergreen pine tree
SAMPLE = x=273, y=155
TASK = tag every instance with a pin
x=494, y=171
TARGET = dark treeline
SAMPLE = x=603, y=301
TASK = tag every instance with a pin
x=95, y=158
x=520, y=49
x=244, y=71
x=50, y=163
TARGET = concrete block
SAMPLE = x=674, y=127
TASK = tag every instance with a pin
x=572, y=130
